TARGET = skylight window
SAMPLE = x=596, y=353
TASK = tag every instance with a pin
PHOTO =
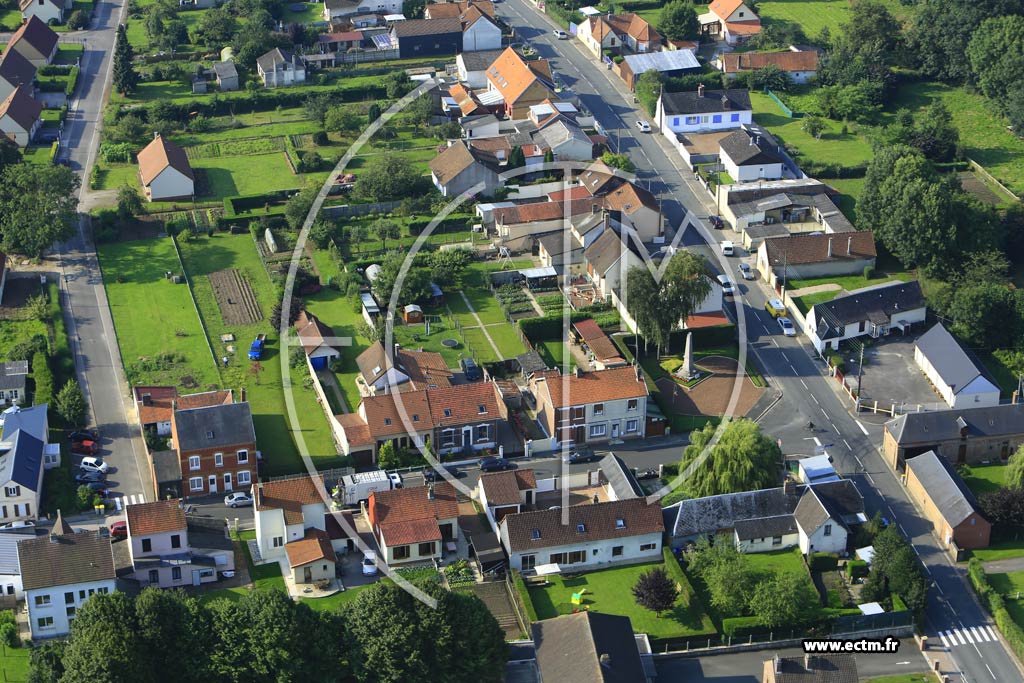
x=535, y=534
x=620, y=523
x=581, y=528
x=483, y=409
x=447, y=412
x=209, y=435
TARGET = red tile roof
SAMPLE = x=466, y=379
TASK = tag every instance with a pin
x=503, y=488
x=591, y=387
x=724, y=8
x=311, y=332
x=628, y=198
x=600, y=345
x=315, y=545
x=409, y=515
x=578, y=192
x=544, y=211
x=160, y=154
x=356, y=431
x=735, y=62
x=744, y=28
x=162, y=401
x=511, y=75
x=439, y=407
x=289, y=495
x=706, y=320
x=158, y=517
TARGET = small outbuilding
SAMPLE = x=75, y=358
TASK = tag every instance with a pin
x=413, y=314
x=312, y=558
x=946, y=502
x=165, y=172
x=954, y=375
x=227, y=75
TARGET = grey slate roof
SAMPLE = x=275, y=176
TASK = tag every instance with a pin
x=225, y=70
x=823, y=669
x=13, y=374
x=214, y=427
x=700, y=516
x=16, y=69
x=478, y=61
x=23, y=462
x=166, y=466
x=31, y=420
x=570, y=648
x=869, y=304
x=531, y=362
x=949, y=359
x=952, y=498
x=271, y=60
x=427, y=27
x=679, y=103
x=765, y=527
x=747, y=149
x=838, y=500
x=64, y=560
x=943, y=425
x=620, y=478
x=9, y=553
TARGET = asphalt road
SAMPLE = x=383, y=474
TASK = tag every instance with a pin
x=97, y=358
x=790, y=364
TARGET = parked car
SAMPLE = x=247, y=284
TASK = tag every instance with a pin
x=775, y=307
x=238, y=499
x=369, y=564
x=84, y=435
x=90, y=464
x=787, y=326
x=431, y=475
x=716, y=222
x=560, y=34
x=643, y=126
x=23, y=524
x=647, y=474
x=728, y=248
x=576, y=457
x=727, y=287
x=396, y=480
x=85, y=477
x=85, y=447
x=746, y=272
x=470, y=369
x=493, y=464
x=119, y=530
x=99, y=488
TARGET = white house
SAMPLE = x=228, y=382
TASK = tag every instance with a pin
x=20, y=116
x=731, y=19
x=60, y=572
x=702, y=110
x=600, y=534
x=750, y=156
x=10, y=570
x=873, y=311
x=472, y=66
x=765, y=534
x=316, y=339
x=161, y=555
x=165, y=171
x=824, y=516
x=414, y=524
x=800, y=65
x=287, y=508
x=280, y=67
x=479, y=32
x=954, y=375
x=22, y=455
x=44, y=10
x=15, y=70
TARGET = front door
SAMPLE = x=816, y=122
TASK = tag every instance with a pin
x=307, y=575
x=467, y=437
x=615, y=430
x=961, y=454
x=213, y=483
x=529, y=562
x=227, y=481
x=581, y=434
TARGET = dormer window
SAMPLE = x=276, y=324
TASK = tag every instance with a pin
x=209, y=435
x=535, y=534
x=482, y=409
x=581, y=528
x=447, y=412
x=620, y=523
x=387, y=420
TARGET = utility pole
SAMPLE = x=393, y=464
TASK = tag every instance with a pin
x=860, y=370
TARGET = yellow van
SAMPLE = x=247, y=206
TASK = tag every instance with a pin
x=775, y=307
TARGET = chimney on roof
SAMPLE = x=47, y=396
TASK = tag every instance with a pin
x=241, y=394
x=639, y=374
x=430, y=492
x=830, y=247
x=849, y=245
x=156, y=134
x=578, y=371
x=789, y=487
x=606, y=660
x=147, y=399
x=726, y=104
x=700, y=90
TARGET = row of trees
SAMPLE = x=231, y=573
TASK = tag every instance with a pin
x=384, y=636
x=1005, y=506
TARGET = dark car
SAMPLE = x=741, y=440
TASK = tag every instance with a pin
x=100, y=488
x=577, y=457
x=84, y=477
x=716, y=222
x=470, y=369
x=647, y=474
x=119, y=530
x=492, y=464
x=84, y=435
x=431, y=475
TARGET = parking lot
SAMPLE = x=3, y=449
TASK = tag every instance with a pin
x=890, y=373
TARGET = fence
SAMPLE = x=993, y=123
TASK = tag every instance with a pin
x=978, y=168
x=328, y=475
x=716, y=644
x=786, y=111
x=349, y=210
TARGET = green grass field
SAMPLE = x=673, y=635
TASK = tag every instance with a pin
x=14, y=663
x=851, y=282
x=241, y=175
x=14, y=332
x=152, y=315
x=985, y=479
x=312, y=12
x=608, y=591
x=805, y=303
x=1002, y=550
x=506, y=339
x=553, y=351
x=814, y=15
x=780, y=561
x=265, y=389
x=851, y=189
x=834, y=147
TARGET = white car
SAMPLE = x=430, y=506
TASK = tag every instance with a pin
x=91, y=464
x=746, y=272
x=560, y=34
x=396, y=480
x=727, y=287
x=369, y=564
x=22, y=524
x=728, y=248
x=643, y=126
x=238, y=499
x=787, y=326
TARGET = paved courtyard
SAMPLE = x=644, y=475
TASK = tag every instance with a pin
x=891, y=375
x=711, y=396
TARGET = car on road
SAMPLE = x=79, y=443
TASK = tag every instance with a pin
x=119, y=530
x=396, y=480
x=716, y=222
x=560, y=34
x=727, y=287
x=369, y=564
x=22, y=524
x=746, y=272
x=470, y=369
x=84, y=435
x=238, y=499
x=643, y=126
x=577, y=457
x=775, y=307
x=787, y=326
x=493, y=464
x=431, y=475
x=728, y=248
x=90, y=464
x=84, y=477
x=85, y=447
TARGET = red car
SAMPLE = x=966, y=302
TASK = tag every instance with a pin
x=119, y=530
x=85, y=447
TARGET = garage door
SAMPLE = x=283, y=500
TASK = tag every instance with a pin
x=319, y=363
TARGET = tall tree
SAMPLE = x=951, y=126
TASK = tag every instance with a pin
x=678, y=21
x=388, y=177
x=104, y=643
x=664, y=304
x=1005, y=509
x=71, y=405
x=384, y=230
x=648, y=90
x=997, y=55
x=784, y=599
x=744, y=459
x=942, y=29
x=870, y=44
x=38, y=206
x=516, y=158
x=125, y=76
x=655, y=591
x=174, y=633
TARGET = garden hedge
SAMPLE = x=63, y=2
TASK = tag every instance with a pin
x=856, y=569
x=823, y=562
x=996, y=606
x=737, y=627
x=524, y=597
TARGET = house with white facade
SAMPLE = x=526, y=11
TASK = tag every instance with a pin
x=15, y=70
x=508, y=492
x=337, y=9
x=159, y=548
x=316, y=339
x=44, y=10
x=400, y=370
x=165, y=171
x=279, y=68
x=955, y=376
x=286, y=509
x=10, y=569
x=414, y=524
x=479, y=32
x=702, y=111
x=825, y=514
x=21, y=474
x=472, y=67
x=800, y=65
x=733, y=20
x=750, y=156
x=34, y=421
x=597, y=535
x=872, y=311
x=20, y=116
x=12, y=383
x=60, y=572
x=36, y=41
x=460, y=169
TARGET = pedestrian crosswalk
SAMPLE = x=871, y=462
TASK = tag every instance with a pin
x=968, y=636
x=121, y=502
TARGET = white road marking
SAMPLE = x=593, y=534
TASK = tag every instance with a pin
x=967, y=634
x=832, y=424
x=850, y=448
x=870, y=479
x=979, y=634
x=815, y=399
x=805, y=384
x=939, y=588
x=945, y=641
x=825, y=414
x=959, y=636
x=817, y=441
x=862, y=428
x=117, y=504
x=857, y=459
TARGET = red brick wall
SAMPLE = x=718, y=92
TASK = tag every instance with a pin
x=207, y=468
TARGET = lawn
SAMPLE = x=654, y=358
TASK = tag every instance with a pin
x=113, y=176
x=851, y=282
x=241, y=175
x=1003, y=550
x=553, y=352
x=14, y=332
x=608, y=591
x=834, y=147
x=805, y=303
x=14, y=663
x=985, y=479
x=415, y=337
x=851, y=189
x=982, y=129
x=478, y=346
x=506, y=338
x=274, y=435
x=154, y=316
x=312, y=12
x=814, y=15
x=780, y=561
x=1008, y=583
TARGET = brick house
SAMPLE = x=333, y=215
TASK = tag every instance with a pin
x=946, y=502
x=216, y=448
x=589, y=407
x=414, y=524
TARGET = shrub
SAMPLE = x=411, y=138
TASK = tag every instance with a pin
x=69, y=89
x=43, y=377
x=856, y=569
x=869, y=272
x=823, y=562
x=736, y=627
x=524, y=597
x=9, y=634
x=116, y=152
x=320, y=138
x=78, y=20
